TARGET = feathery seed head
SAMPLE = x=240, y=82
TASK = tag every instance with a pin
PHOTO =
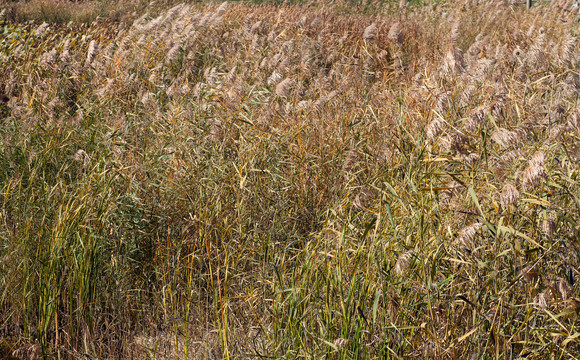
x=284, y=87
x=467, y=234
x=370, y=32
x=434, y=128
x=509, y=195
x=454, y=62
x=256, y=27
x=395, y=33
x=48, y=58
x=402, y=263
x=476, y=118
x=274, y=78
x=542, y=299
x=91, y=53
x=567, y=53
x=504, y=137
x=455, y=32
x=222, y=8
x=82, y=157
x=41, y=29
x=340, y=343
x=538, y=158
x=28, y=351
x=173, y=53
x=573, y=122
x=564, y=290
x=535, y=171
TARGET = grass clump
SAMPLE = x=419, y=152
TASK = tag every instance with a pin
x=287, y=180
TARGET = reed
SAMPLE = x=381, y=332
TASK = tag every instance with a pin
x=321, y=180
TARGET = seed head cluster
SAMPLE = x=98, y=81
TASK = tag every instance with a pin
x=334, y=179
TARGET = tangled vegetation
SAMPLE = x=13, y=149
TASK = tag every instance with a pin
x=322, y=180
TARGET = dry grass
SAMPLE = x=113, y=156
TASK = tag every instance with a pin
x=291, y=181
x=66, y=11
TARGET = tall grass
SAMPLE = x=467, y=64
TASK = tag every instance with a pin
x=291, y=181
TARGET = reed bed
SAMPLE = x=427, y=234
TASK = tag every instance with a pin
x=305, y=181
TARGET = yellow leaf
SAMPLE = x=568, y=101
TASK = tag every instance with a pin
x=466, y=335
x=570, y=338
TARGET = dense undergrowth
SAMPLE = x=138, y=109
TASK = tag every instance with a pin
x=292, y=181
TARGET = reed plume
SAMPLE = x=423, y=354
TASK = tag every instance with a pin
x=370, y=32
